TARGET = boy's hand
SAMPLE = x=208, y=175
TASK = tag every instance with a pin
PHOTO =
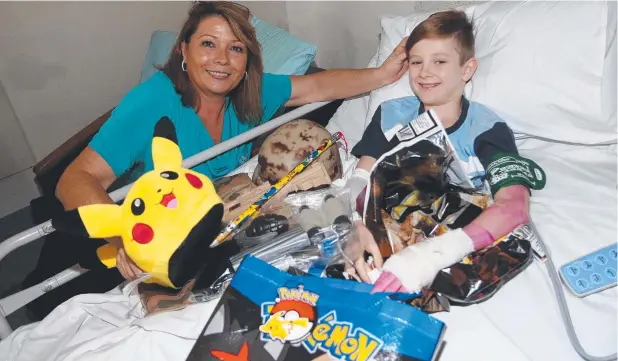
x=396, y=64
x=388, y=282
x=355, y=251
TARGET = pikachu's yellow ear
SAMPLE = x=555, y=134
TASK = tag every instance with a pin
x=165, y=150
x=101, y=220
x=107, y=255
x=92, y=221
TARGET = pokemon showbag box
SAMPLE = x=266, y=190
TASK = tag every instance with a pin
x=268, y=315
x=167, y=220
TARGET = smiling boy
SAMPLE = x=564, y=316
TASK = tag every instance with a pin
x=441, y=61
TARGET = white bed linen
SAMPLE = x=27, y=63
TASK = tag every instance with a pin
x=97, y=327
x=575, y=213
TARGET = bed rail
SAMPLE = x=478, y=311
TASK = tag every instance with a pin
x=15, y=301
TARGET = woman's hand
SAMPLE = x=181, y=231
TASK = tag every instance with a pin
x=355, y=251
x=128, y=269
x=345, y=83
x=396, y=64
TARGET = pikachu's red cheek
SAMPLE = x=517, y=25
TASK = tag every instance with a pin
x=194, y=181
x=142, y=233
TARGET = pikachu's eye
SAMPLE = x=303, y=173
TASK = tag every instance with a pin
x=169, y=175
x=137, y=206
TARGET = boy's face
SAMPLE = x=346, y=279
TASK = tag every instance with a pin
x=437, y=76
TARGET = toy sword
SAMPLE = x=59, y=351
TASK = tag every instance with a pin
x=234, y=224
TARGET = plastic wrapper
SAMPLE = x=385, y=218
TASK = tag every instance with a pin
x=321, y=255
x=261, y=229
x=326, y=216
x=269, y=315
x=419, y=190
x=317, y=249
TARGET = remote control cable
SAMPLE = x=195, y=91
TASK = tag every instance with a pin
x=562, y=304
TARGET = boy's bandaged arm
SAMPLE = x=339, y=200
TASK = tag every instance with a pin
x=509, y=210
x=417, y=265
x=511, y=177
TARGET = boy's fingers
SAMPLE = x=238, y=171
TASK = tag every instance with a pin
x=361, y=269
x=374, y=251
x=349, y=269
x=394, y=287
x=387, y=282
x=381, y=286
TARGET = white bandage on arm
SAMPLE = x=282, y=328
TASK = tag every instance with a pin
x=417, y=265
x=357, y=182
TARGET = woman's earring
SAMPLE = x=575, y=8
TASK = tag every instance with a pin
x=246, y=75
x=183, y=65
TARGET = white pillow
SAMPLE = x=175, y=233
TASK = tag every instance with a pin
x=608, y=87
x=350, y=116
x=394, y=29
x=540, y=67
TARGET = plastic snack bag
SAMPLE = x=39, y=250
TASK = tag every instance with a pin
x=269, y=315
x=419, y=190
x=326, y=216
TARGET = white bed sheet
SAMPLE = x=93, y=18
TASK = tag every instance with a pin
x=576, y=213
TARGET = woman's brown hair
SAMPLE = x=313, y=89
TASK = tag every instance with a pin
x=246, y=97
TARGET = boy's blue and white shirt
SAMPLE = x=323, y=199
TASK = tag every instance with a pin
x=478, y=136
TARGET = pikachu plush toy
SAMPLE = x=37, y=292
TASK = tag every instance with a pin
x=167, y=221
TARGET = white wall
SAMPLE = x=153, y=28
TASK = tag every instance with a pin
x=347, y=32
x=274, y=12
x=15, y=153
x=65, y=63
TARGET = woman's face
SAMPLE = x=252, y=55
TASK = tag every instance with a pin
x=216, y=59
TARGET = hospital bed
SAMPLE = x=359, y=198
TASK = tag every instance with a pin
x=574, y=142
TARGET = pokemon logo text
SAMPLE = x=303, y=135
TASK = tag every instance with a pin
x=293, y=318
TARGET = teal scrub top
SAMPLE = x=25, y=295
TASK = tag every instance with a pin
x=125, y=139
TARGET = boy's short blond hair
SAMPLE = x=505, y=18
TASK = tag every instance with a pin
x=446, y=24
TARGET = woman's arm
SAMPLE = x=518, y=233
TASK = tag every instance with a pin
x=509, y=210
x=85, y=182
x=334, y=84
x=345, y=83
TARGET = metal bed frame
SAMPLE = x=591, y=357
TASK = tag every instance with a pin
x=16, y=301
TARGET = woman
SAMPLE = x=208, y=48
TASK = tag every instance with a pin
x=213, y=88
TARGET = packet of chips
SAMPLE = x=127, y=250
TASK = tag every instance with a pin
x=269, y=315
x=421, y=189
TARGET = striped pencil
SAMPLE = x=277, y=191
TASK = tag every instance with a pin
x=234, y=224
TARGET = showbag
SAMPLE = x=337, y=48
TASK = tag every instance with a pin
x=269, y=315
